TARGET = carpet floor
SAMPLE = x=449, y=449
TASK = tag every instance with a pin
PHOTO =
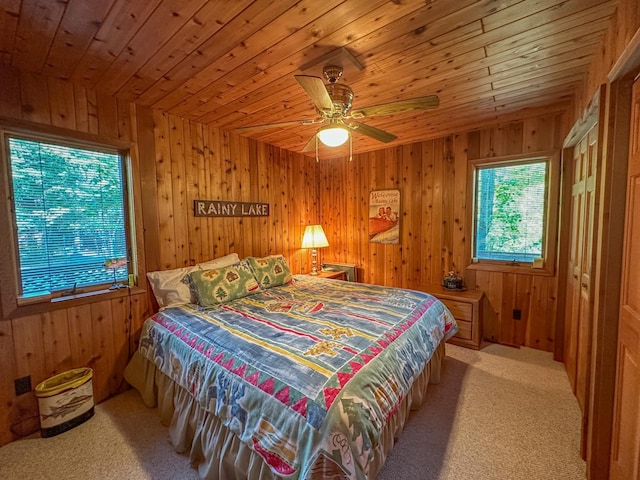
x=498, y=414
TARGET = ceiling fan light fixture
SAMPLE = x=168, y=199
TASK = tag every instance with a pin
x=333, y=136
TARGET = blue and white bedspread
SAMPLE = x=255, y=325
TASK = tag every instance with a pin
x=310, y=369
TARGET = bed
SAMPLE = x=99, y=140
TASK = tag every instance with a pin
x=308, y=379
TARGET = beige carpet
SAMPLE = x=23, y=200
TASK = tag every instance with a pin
x=501, y=413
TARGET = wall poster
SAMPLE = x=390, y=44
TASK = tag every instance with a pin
x=384, y=216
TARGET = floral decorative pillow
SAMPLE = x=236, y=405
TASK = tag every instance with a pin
x=220, y=285
x=270, y=271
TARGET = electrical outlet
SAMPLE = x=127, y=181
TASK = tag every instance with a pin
x=22, y=385
x=517, y=314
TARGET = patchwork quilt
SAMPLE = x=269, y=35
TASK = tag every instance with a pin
x=302, y=371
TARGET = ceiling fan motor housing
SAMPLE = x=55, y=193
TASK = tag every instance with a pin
x=342, y=97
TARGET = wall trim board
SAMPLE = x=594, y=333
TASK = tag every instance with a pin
x=588, y=119
x=626, y=65
x=57, y=133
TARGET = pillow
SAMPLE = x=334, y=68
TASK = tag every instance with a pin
x=270, y=271
x=220, y=285
x=170, y=290
x=168, y=287
x=220, y=262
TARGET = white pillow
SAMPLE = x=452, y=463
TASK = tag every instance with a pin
x=168, y=288
x=167, y=285
x=221, y=262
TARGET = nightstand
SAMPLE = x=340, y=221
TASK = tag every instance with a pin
x=336, y=275
x=467, y=307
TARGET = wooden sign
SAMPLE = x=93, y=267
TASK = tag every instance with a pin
x=216, y=208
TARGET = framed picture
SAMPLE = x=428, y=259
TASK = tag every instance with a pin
x=384, y=216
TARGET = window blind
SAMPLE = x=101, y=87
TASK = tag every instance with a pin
x=510, y=206
x=69, y=213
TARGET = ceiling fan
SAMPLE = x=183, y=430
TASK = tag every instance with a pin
x=333, y=103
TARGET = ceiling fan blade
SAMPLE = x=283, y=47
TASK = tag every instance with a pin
x=420, y=103
x=310, y=146
x=372, y=132
x=266, y=126
x=317, y=92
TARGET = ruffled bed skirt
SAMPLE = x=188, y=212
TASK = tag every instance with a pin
x=217, y=453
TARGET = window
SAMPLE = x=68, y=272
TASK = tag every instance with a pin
x=70, y=214
x=512, y=211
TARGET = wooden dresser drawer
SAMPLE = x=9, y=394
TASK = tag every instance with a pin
x=460, y=310
x=465, y=330
x=466, y=306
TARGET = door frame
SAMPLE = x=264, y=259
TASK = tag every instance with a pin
x=608, y=271
x=580, y=129
x=595, y=114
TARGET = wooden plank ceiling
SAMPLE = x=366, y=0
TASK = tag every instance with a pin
x=231, y=63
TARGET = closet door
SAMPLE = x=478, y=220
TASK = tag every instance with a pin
x=587, y=266
x=579, y=307
x=625, y=452
x=572, y=318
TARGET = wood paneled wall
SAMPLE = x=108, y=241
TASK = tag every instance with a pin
x=174, y=162
x=95, y=334
x=193, y=161
x=622, y=28
x=432, y=179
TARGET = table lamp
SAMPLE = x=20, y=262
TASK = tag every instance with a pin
x=313, y=238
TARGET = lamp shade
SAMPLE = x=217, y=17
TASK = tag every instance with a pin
x=314, y=237
x=333, y=136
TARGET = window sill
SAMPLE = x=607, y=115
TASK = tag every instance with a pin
x=120, y=292
x=34, y=306
x=525, y=269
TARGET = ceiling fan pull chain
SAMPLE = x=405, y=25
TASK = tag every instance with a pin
x=350, y=146
x=317, y=158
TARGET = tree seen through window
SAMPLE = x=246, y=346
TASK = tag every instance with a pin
x=69, y=213
x=510, y=211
